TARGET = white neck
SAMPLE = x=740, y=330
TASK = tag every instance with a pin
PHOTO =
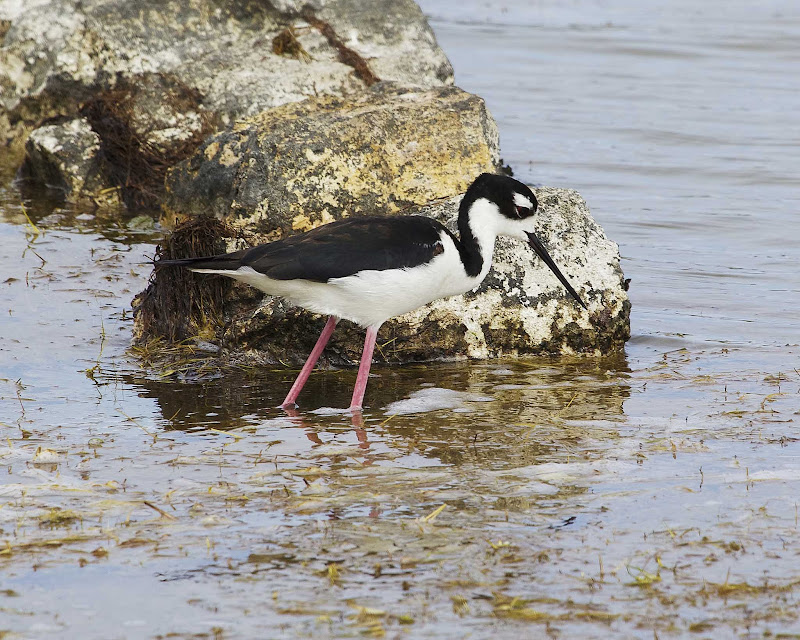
x=483, y=218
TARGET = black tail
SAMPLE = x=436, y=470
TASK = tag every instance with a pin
x=225, y=262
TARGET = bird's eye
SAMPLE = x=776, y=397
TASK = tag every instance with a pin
x=521, y=211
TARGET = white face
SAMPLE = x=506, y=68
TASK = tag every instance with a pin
x=485, y=218
x=516, y=228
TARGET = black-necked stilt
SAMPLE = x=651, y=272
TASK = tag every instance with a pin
x=370, y=269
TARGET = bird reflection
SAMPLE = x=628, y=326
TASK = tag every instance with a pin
x=356, y=421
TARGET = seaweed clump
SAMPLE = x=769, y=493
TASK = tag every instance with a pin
x=287, y=44
x=129, y=119
x=177, y=303
x=346, y=55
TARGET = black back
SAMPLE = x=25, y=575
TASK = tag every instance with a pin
x=346, y=247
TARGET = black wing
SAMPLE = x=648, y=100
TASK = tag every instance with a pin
x=346, y=247
x=336, y=250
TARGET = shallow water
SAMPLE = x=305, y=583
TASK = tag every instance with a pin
x=650, y=494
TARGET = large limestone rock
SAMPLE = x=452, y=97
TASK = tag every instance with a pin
x=301, y=165
x=388, y=151
x=344, y=108
x=238, y=58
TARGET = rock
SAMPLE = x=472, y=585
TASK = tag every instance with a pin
x=120, y=151
x=240, y=57
x=520, y=308
x=347, y=110
x=65, y=157
x=304, y=164
x=145, y=128
x=164, y=113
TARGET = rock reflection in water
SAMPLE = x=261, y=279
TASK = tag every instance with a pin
x=519, y=410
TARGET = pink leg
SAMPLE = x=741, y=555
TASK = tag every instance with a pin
x=316, y=352
x=363, y=369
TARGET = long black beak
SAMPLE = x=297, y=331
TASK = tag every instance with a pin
x=538, y=247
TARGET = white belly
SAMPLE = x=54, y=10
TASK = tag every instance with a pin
x=369, y=298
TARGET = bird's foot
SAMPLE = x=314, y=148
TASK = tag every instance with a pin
x=287, y=406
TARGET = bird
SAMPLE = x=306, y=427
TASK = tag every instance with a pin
x=372, y=268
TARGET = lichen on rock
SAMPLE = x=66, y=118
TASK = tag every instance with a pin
x=304, y=164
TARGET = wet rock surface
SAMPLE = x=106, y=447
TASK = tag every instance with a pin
x=240, y=57
x=520, y=308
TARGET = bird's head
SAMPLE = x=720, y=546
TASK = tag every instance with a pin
x=504, y=206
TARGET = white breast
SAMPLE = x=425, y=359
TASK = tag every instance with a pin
x=375, y=296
